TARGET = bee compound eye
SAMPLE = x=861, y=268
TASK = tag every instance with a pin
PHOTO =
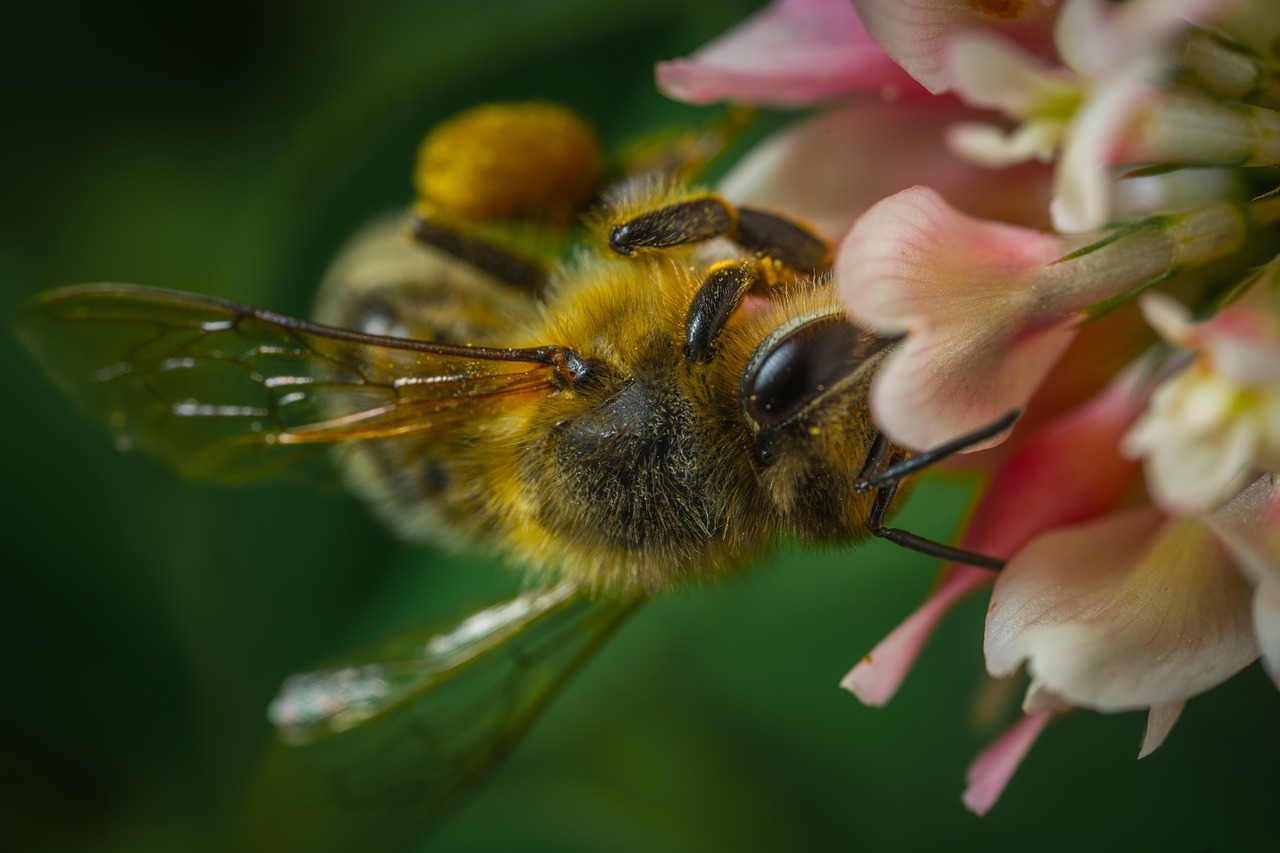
x=795, y=365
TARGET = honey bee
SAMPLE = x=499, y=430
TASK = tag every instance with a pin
x=661, y=406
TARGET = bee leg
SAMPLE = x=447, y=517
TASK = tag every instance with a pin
x=875, y=456
x=705, y=216
x=695, y=219
x=488, y=257
x=907, y=539
x=713, y=304
x=902, y=468
x=885, y=481
x=786, y=240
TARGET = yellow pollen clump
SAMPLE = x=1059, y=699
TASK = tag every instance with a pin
x=509, y=161
x=1005, y=10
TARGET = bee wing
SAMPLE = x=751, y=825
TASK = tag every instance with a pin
x=375, y=749
x=226, y=391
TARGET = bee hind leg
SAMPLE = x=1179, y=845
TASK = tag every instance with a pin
x=489, y=257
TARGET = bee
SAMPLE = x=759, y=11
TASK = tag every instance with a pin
x=660, y=407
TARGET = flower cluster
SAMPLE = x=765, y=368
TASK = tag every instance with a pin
x=1065, y=208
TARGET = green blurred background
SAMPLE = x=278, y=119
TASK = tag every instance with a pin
x=227, y=149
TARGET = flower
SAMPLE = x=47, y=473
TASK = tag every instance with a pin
x=1250, y=528
x=988, y=307
x=1036, y=489
x=792, y=53
x=1085, y=108
x=1215, y=423
x=990, y=772
x=915, y=32
x=830, y=168
x=1128, y=611
x=1112, y=599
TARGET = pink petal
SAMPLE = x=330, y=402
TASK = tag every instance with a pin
x=1242, y=341
x=991, y=771
x=1124, y=612
x=984, y=329
x=792, y=53
x=1160, y=722
x=1068, y=471
x=1040, y=487
x=916, y=32
x=817, y=169
x=877, y=677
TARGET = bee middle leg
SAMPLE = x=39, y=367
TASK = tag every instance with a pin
x=884, y=479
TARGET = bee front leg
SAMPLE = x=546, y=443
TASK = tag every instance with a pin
x=885, y=481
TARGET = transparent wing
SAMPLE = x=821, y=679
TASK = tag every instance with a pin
x=226, y=391
x=373, y=750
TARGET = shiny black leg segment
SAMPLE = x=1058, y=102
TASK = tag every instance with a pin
x=717, y=298
x=706, y=217
x=885, y=481
x=481, y=254
x=692, y=221
x=782, y=239
x=900, y=469
x=875, y=524
x=875, y=456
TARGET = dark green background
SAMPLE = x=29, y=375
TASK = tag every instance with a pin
x=226, y=149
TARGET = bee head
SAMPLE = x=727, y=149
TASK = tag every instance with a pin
x=803, y=397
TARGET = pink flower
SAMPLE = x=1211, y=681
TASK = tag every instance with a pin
x=792, y=53
x=1109, y=605
x=1083, y=109
x=916, y=32
x=1038, y=488
x=983, y=327
x=987, y=307
x=830, y=168
x=1138, y=611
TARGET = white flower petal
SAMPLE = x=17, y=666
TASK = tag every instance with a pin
x=993, y=73
x=1266, y=624
x=916, y=32
x=1075, y=35
x=988, y=145
x=1250, y=527
x=1082, y=194
x=1122, y=613
x=1170, y=318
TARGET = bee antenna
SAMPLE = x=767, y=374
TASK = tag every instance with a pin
x=911, y=465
